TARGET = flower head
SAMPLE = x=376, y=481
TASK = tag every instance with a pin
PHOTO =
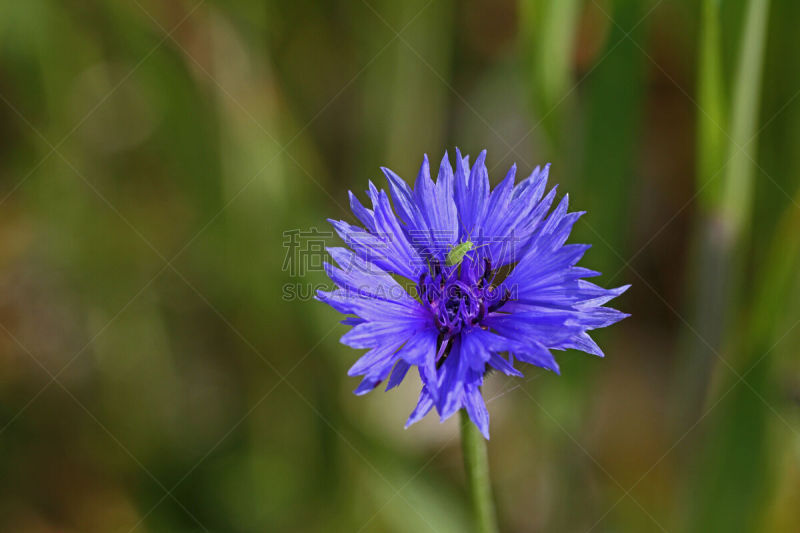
x=461, y=281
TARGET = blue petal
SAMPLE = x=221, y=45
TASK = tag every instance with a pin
x=506, y=367
x=593, y=295
x=375, y=366
x=402, y=196
x=372, y=334
x=534, y=185
x=437, y=205
x=362, y=213
x=584, y=343
x=496, y=213
x=476, y=409
x=370, y=383
x=379, y=355
x=534, y=327
x=471, y=192
x=522, y=223
x=416, y=224
x=451, y=382
x=390, y=252
x=580, y=295
x=538, y=270
x=420, y=350
x=364, y=279
x=424, y=405
x=376, y=309
x=600, y=317
x=399, y=372
x=537, y=354
x=475, y=349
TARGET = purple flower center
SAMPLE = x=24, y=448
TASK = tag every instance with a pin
x=460, y=296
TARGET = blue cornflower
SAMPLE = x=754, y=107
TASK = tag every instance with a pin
x=516, y=293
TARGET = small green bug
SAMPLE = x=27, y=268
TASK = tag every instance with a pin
x=457, y=253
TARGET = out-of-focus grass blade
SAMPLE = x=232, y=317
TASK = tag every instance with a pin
x=419, y=62
x=709, y=262
x=725, y=182
x=780, y=267
x=736, y=199
x=711, y=140
x=737, y=467
x=730, y=474
x=614, y=105
x=550, y=33
x=422, y=63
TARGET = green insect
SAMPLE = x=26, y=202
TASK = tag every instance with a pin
x=456, y=254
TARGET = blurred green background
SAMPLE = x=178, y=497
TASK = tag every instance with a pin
x=154, y=154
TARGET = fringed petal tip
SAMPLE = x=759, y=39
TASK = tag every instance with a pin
x=424, y=406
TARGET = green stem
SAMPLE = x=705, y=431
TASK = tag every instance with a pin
x=476, y=464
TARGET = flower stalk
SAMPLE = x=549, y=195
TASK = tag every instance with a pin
x=476, y=465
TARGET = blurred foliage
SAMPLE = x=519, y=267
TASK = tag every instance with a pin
x=154, y=375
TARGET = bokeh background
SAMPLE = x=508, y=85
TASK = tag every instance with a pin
x=162, y=367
